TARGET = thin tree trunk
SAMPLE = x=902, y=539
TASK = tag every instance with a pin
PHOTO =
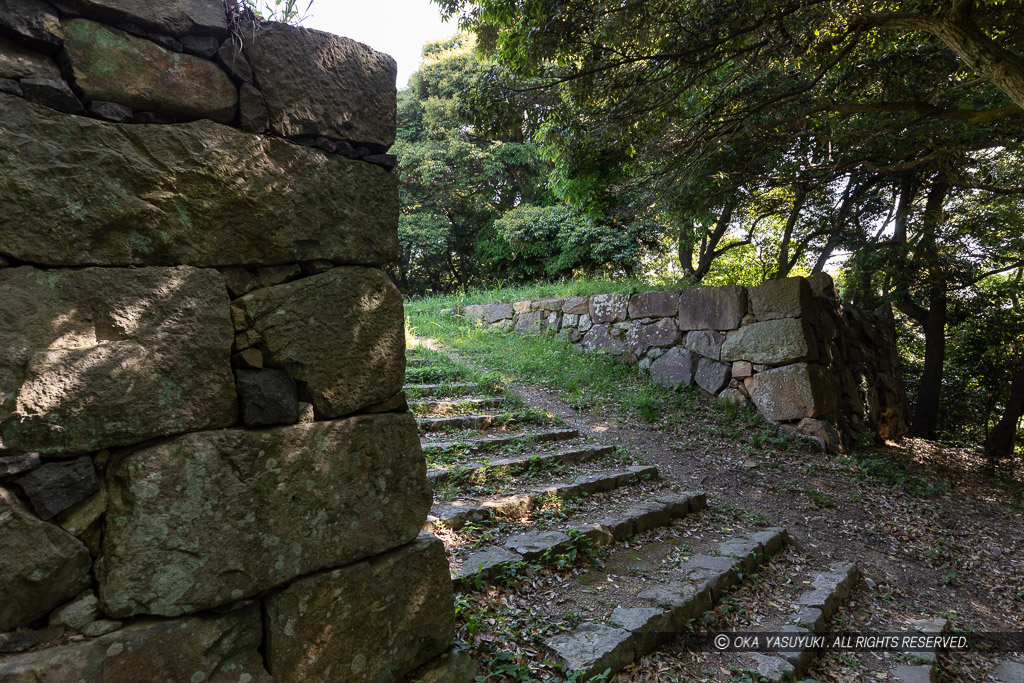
x=784, y=265
x=1000, y=441
x=929, y=391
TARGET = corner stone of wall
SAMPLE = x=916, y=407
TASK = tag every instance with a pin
x=205, y=461
x=788, y=348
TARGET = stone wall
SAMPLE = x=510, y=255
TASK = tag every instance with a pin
x=788, y=347
x=207, y=468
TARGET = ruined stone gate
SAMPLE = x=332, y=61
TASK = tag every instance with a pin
x=789, y=348
x=207, y=471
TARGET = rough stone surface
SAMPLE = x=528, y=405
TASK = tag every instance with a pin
x=41, y=566
x=402, y=618
x=677, y=366
x=712, y=308
x=269, y=397
x=11, y=465
x=600, y=337
x=316, y=83
x=114, y=66
x=794, y=391
x=33, y=23
x=489, y=313
x=173, y=17
x=742, y=369
x=790, y=297
x=642, y=337
x=707, y=343
x=1010, y=671
x=232, y=57
x=19, y=62
x=204, y=46
x=11, y=87
x=103, y=357
x=775, y=342
x=712, y=376
x=52, y=93
x=341, y=334
x=654, y=304
x=210, y=518
x=110, y=111
x=576, y=305
x=253, y=116
x=56, y=486
x=454, y=666
x=591, y=648
x=76, y=614
x=18, y=641
x=158, y=195
x=484, y=561
x=212, y=649
x=77, y=519
x=608, y=308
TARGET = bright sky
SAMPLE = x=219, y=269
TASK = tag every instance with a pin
x=397, y=27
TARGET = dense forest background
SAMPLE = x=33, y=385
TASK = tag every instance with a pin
x=685, y=143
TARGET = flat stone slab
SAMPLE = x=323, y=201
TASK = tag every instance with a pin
x=831, y=588
x=104, y=357
x=914, y=673
x=1010, y=671
x=474, y=471
x=172, y=17
x=774, y=342
x=378, y=618
x=486, y=563
x=592, y=648
x=534, y=544
x=182, y=194
x=213, y=517
x=216, y=648
x=496, y=441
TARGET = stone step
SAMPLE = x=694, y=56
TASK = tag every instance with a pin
x=428, y=373
x=480, y=471
x=925, y=668
x=591, y=648
x=491, y=442
x=449, y=405
x=494, y=562
x=457, y=514
x=444, y=389
x=818, y=605
x=440, y=424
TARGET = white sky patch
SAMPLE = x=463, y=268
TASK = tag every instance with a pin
x=397, y=27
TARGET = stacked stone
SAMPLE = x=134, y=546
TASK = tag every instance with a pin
x=207, y=468
x=788, y=347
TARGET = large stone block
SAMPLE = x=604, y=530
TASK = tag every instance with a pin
x=212, y=649
x=107, y=356
x=213, y=517
x=41, y=566
x=608, y=308
x=654, y=304
x=172, y=17
x=341, y=334
x=712, y=308
x=707, y=343
x=795, y=391
x=677, y=366
x=789, y=297
x=642, y=337
x=19, y=62
x=114, y=66
x=77, y=191
x=774, y=342
x=403, y=617
x=317, y=83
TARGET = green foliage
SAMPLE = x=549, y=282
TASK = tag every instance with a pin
x=287, y=11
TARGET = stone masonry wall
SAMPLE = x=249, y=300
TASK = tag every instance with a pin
x=788, y=347
x=207, y=468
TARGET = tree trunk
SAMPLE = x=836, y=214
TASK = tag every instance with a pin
x=783, y=266
x=961, y=34
x=1000, y=441
x=926, y=412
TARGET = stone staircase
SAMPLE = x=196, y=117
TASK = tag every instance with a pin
x=535, y=494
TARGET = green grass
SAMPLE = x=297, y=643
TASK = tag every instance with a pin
x=586, y=380
x=553, y=290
